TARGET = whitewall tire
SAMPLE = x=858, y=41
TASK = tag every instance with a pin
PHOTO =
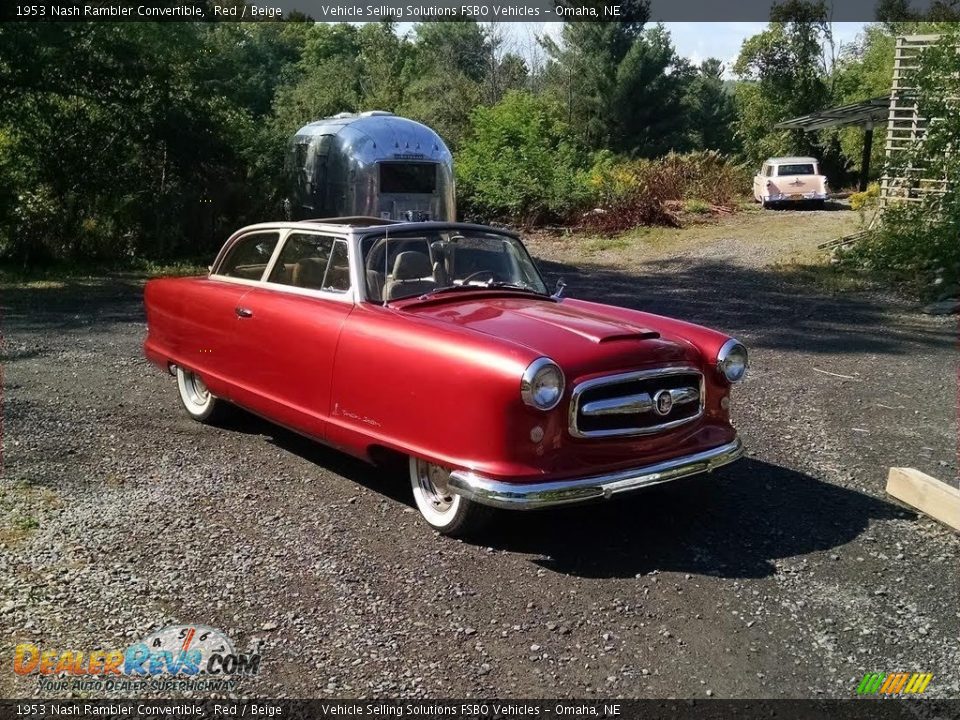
x=196, y=399
x=446, y=512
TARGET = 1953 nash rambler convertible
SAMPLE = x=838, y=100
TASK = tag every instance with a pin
x=439, y=341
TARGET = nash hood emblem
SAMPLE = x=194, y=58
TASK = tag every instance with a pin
x=663, y=402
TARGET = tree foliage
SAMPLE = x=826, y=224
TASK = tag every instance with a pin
x=918, y=242
x=157, y=139
x=783, y=74
x=520, y=161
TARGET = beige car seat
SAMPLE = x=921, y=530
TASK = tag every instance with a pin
x=412, y=275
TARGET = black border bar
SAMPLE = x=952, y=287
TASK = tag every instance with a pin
x=432, y=10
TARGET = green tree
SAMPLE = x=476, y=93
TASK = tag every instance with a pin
x=712, y=111
x=583, y=73
x=505, y=70
x=519, y=162
x=649, y=114
x=383, y=56
x=444, y=76
x=916, y=241
x=130, y=140
x=326, y=78
x=783, y=74
x=863, y=71
x=459, y=47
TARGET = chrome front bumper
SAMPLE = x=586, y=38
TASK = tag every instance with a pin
x=530, y=496
x=789, y=197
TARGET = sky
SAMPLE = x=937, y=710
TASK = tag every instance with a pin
x=694, y=40
x=699, y=41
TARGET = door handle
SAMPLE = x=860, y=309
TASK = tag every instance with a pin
x=243, y=312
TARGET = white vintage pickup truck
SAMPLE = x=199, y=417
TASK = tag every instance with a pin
x=790, y=180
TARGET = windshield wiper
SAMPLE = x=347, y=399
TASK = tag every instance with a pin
x=485, y=286
x=515, y=286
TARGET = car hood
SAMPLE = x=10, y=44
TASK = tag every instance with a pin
x=578, y=338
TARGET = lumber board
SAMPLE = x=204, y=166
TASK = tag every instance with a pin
x=929, y=495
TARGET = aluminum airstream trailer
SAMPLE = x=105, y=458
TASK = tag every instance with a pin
x=374, y=164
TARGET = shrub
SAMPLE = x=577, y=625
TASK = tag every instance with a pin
x=696, y=206
x=865, y=199
x=519, y=163
x=917, y=245
x=640, y=192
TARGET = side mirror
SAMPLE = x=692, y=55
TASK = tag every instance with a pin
x=561, y=286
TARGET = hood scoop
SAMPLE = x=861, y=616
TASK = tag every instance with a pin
x=650, y=335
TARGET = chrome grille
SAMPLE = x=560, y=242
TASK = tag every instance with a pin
x=636, y=403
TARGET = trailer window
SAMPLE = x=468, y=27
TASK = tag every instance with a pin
x=408, y=177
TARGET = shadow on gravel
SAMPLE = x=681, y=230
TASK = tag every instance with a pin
x=765, y=307
x=735, y=523
x=71, y=304
x=389, y=480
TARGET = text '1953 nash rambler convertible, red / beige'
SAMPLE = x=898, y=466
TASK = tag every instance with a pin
x=440, y=341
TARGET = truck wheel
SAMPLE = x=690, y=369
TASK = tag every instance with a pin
x=197, y=400
x=446, y=512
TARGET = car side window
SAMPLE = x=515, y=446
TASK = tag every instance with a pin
x=249, y=256
x=312, y=262
x=338, y=272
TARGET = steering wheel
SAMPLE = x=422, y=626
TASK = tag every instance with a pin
x=479, y=274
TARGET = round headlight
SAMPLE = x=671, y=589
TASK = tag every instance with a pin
x=542, y=384
x=732, y=361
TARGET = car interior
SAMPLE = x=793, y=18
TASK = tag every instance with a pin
x=309, y=261
x=419, y=265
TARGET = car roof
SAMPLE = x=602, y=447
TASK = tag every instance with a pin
x=790, y=160
x=364, y=225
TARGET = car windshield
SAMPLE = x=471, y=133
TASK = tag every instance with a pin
x=797, y=169
x=412, y=263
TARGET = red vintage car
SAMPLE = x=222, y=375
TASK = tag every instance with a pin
x=440, y=342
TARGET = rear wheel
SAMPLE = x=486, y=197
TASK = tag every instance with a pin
x=446, y=512
x=196, y=398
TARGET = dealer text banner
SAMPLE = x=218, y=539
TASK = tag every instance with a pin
x=437, y=10
x=474, y=709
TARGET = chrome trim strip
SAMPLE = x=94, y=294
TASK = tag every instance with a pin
x=579, y=389
x=526, y=383
x=522, y=496
x=640, y=403
x=722, y=354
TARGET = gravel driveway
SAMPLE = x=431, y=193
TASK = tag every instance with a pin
x=790, y=574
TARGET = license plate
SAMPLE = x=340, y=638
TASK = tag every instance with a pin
x=796, y=196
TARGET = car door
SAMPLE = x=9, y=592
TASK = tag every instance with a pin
x=291, y=328
x=210, y=343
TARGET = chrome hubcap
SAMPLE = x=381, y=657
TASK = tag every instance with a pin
x=434, y=482
x=199, y=394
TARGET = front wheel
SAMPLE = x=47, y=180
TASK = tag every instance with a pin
x=446, y=512
x=197, y=400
